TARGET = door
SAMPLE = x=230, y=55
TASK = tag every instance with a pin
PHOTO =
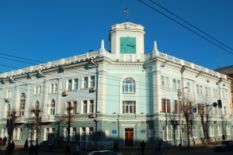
x=129, y=133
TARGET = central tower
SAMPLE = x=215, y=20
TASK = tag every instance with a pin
x=127, y=41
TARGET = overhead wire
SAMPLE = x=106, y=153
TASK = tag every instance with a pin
x=191, y=28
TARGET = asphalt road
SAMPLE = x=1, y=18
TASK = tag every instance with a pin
x=207, y=150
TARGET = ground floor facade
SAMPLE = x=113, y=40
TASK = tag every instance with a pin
x=127, y=130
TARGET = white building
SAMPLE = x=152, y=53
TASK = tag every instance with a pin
x=122, y=94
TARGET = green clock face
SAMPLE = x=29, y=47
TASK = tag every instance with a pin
x=128, y=45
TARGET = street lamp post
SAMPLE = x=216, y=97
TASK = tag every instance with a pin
x=179, y=98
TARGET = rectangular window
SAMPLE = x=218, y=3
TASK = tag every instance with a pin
x=197, y=89
x=65, y=134
x=91, y=130
x=91, y=106
x=55, y=88
x=178, y=84
x=93, y=81
x=163, y=105
x=129, y=107
x=85, y=107
x=37, y=90
x=72, y=133
x=85, y=84
x=175, y=106
x=162, y=81
x=200, y=91
x=69, y=85
x=206, y=91
x=168, y=106
x=174, y=84
x=83, y=134
x=75, y=84
x=188, y=87
x=69, y=108
x=167, y=82
x=75, y=107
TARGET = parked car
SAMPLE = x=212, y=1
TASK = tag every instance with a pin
x=102, y=152
x=224, y=146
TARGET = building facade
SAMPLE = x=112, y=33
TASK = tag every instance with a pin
x=229, y=72
x=120, y=95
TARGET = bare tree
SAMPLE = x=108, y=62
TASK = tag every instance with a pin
x=203, y=111
x=11, y=124
x=68, y=117
x=36, y=111
x=188, y=116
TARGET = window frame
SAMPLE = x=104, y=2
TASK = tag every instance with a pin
x=129, y=86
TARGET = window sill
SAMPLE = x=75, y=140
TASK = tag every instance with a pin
x=129, y=93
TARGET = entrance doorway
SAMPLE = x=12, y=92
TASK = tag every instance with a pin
x=129, y=133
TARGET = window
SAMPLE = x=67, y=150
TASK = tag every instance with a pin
x=52, y=107
x=75, y=107
x=85, y=107
x=35, y=106
x=91, y=137
x=175, y=106
x=167, y=82
x=17, y=133
x=72, y=133
x=93, y=81
x=178, y=84
x=200, y=91
x=129, y=85
x=55, y=88
x=174, y=84
x=69, y=108
x=38, y=89
x=85, y=82
x=75, y=84
x=166, y=107
x=91, y=106
x=188, y=87
x=22, y=104
x=70, y=85
x=83, y=134
x=129, y=107
x=8, y=93
x=197, y=89
x=206, y=91
x=164, y=82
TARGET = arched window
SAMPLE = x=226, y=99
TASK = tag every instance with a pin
x=52, y=107
x=22, y=104
x=129, y=85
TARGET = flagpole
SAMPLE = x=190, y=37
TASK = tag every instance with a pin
x=126, y=11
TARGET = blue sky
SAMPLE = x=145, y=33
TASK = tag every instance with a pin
x=47, y=30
